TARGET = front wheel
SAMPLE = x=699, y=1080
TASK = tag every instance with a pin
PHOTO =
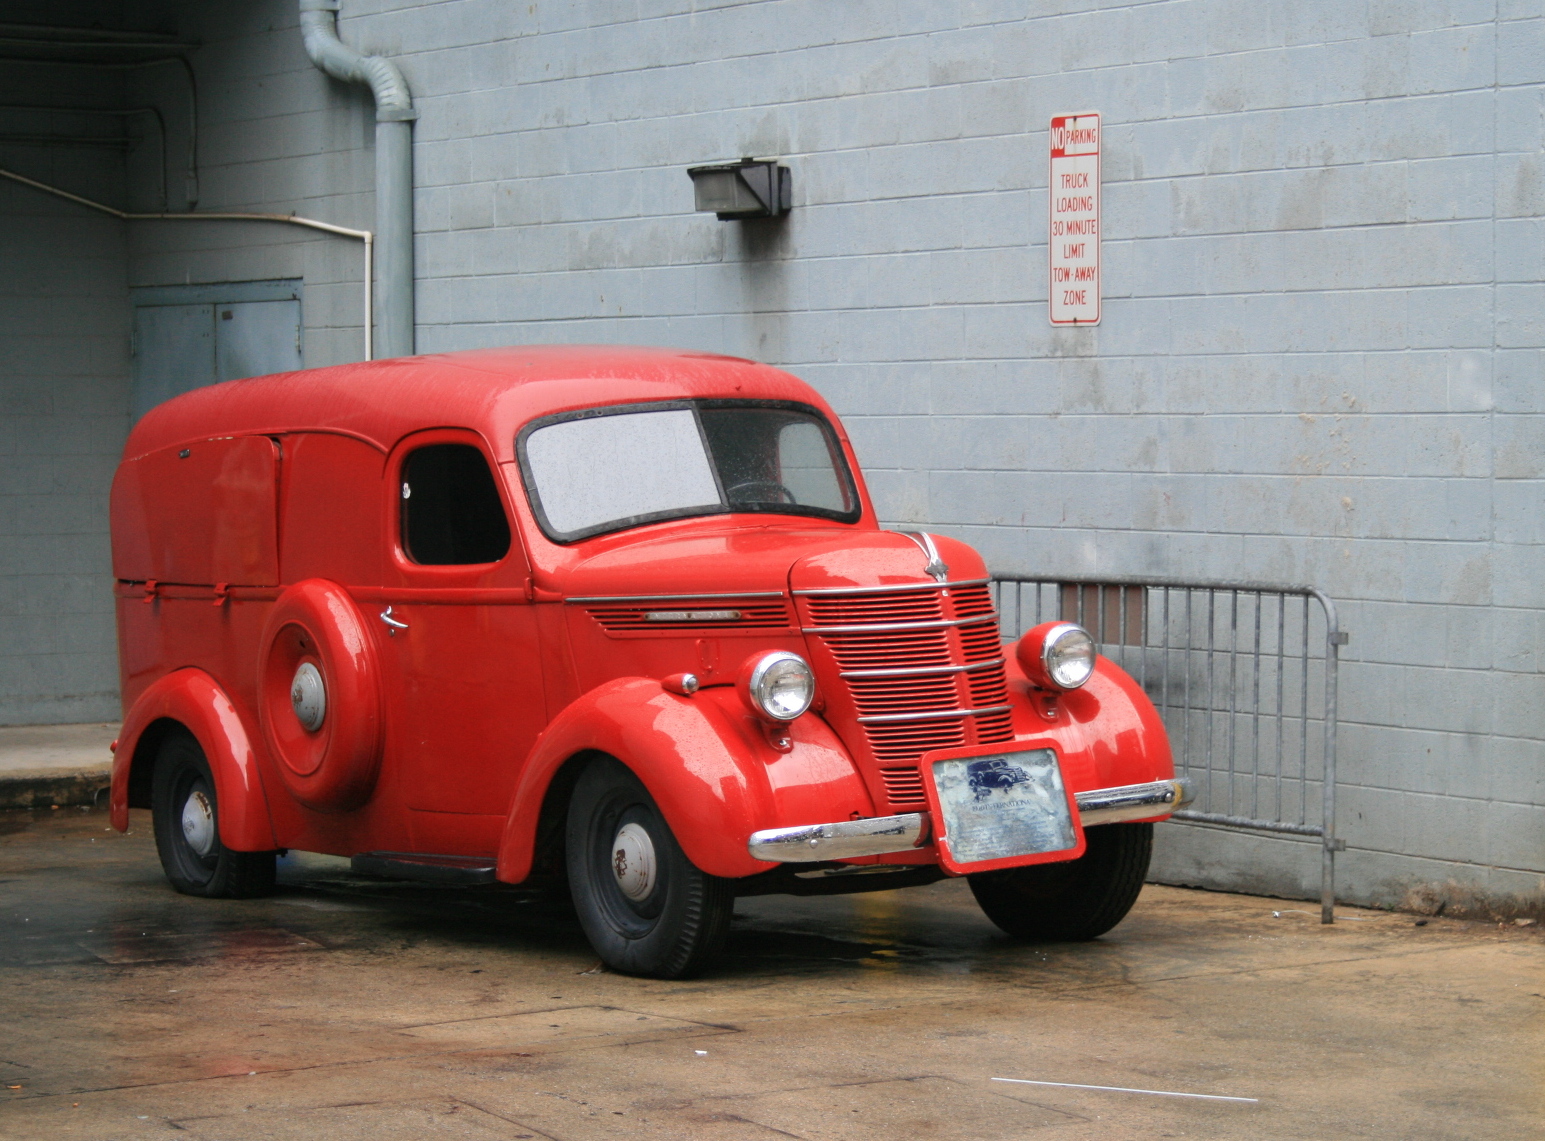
x=1073, y=900
x=185, y=815
x=645, y=907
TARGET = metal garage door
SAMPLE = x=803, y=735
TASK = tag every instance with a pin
x=189, y=336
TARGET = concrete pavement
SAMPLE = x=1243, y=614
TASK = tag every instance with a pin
x=44, y=765
x=345, y=1008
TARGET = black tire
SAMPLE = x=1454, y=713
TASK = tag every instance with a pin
x=1073, y=900
x=679, y=924
x=194, y=859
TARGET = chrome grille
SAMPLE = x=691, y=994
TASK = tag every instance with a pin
x=923, y=670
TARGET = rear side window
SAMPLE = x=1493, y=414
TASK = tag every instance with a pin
x=451, y=514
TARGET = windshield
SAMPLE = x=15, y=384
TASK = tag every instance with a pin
x=605, y=469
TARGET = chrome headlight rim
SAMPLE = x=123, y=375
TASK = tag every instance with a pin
x=759, y=677
x=1049, y=648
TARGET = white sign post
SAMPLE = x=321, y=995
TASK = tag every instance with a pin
x=1074, y=234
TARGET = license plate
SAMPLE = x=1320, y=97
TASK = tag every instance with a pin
x=1001, y=806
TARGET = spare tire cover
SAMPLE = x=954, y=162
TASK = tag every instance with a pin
x=319, y=697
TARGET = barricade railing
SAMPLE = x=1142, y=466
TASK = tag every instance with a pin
x=1244, y=677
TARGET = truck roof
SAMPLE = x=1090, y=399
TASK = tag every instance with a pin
x=491, y=391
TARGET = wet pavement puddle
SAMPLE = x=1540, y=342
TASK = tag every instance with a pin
x=369, y=1121
x=131, y=1011
x=583, y=1025
x=940, y=1109
x=166, y=947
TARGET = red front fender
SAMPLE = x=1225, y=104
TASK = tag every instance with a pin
x=195, y=700
x=704, y=761
x=1108, y=733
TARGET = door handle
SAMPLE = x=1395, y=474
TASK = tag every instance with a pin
x=392, y=624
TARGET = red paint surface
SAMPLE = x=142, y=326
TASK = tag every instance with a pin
x=508, y=671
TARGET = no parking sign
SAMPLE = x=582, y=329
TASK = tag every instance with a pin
x=1073, y=239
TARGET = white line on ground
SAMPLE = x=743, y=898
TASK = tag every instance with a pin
x=1123, y=1089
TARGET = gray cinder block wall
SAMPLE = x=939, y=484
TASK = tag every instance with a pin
x=64, y=368
x=1320, y=359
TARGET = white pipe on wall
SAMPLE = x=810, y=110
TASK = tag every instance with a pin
x=291, y=219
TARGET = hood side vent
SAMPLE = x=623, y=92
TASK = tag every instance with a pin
x=692, y=615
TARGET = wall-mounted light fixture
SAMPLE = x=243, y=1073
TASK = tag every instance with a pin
x=750, y=188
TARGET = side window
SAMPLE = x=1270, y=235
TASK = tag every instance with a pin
x=451, y=512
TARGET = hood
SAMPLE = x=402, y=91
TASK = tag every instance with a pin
x=886, y=558
x=757, y=558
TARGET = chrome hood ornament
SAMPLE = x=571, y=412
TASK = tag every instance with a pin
x=936, y=566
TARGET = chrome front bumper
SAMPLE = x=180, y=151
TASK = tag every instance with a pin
x=812, y=843
x=876, y=836
x=1134, y=801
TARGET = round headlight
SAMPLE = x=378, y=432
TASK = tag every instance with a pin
x=1069, y=656
x=779, y=685
x=1059, y=654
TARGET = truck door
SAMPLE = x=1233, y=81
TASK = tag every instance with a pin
x=461, y=665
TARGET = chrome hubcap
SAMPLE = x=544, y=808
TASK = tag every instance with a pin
x=198, y=822
x=308, y=697
x=633, y=861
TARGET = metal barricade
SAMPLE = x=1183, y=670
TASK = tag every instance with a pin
x=1235, y=669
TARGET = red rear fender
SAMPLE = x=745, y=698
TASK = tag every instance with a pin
x=705, y=762
x=194, y=700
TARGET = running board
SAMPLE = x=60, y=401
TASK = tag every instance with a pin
x=425, y=868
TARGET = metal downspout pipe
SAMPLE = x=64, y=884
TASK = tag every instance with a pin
x=394, y=168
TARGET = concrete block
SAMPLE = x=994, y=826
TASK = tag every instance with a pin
x=1520, y=181
x=1512, y=835
x=1520, y=380
x=1520, y=124
x=1453, y=59
x=1520, y=510
x=1520, y=446
x=1452, y=317
x=1520, y=249
x=1166, y=31
x=1461, y=637
x=1520, y=47
x=1261, y=864
x=1094, y=39
x=1412, y=760
x=1515, y=770
x=1449, y=188
x=1318, y=23
x=964, y=55
x=1520, y=316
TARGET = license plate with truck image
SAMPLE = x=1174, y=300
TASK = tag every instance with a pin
x=1000, y=809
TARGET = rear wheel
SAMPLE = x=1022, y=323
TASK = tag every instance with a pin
x=645, y=907
x=1073, y=900
x=185, y=815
